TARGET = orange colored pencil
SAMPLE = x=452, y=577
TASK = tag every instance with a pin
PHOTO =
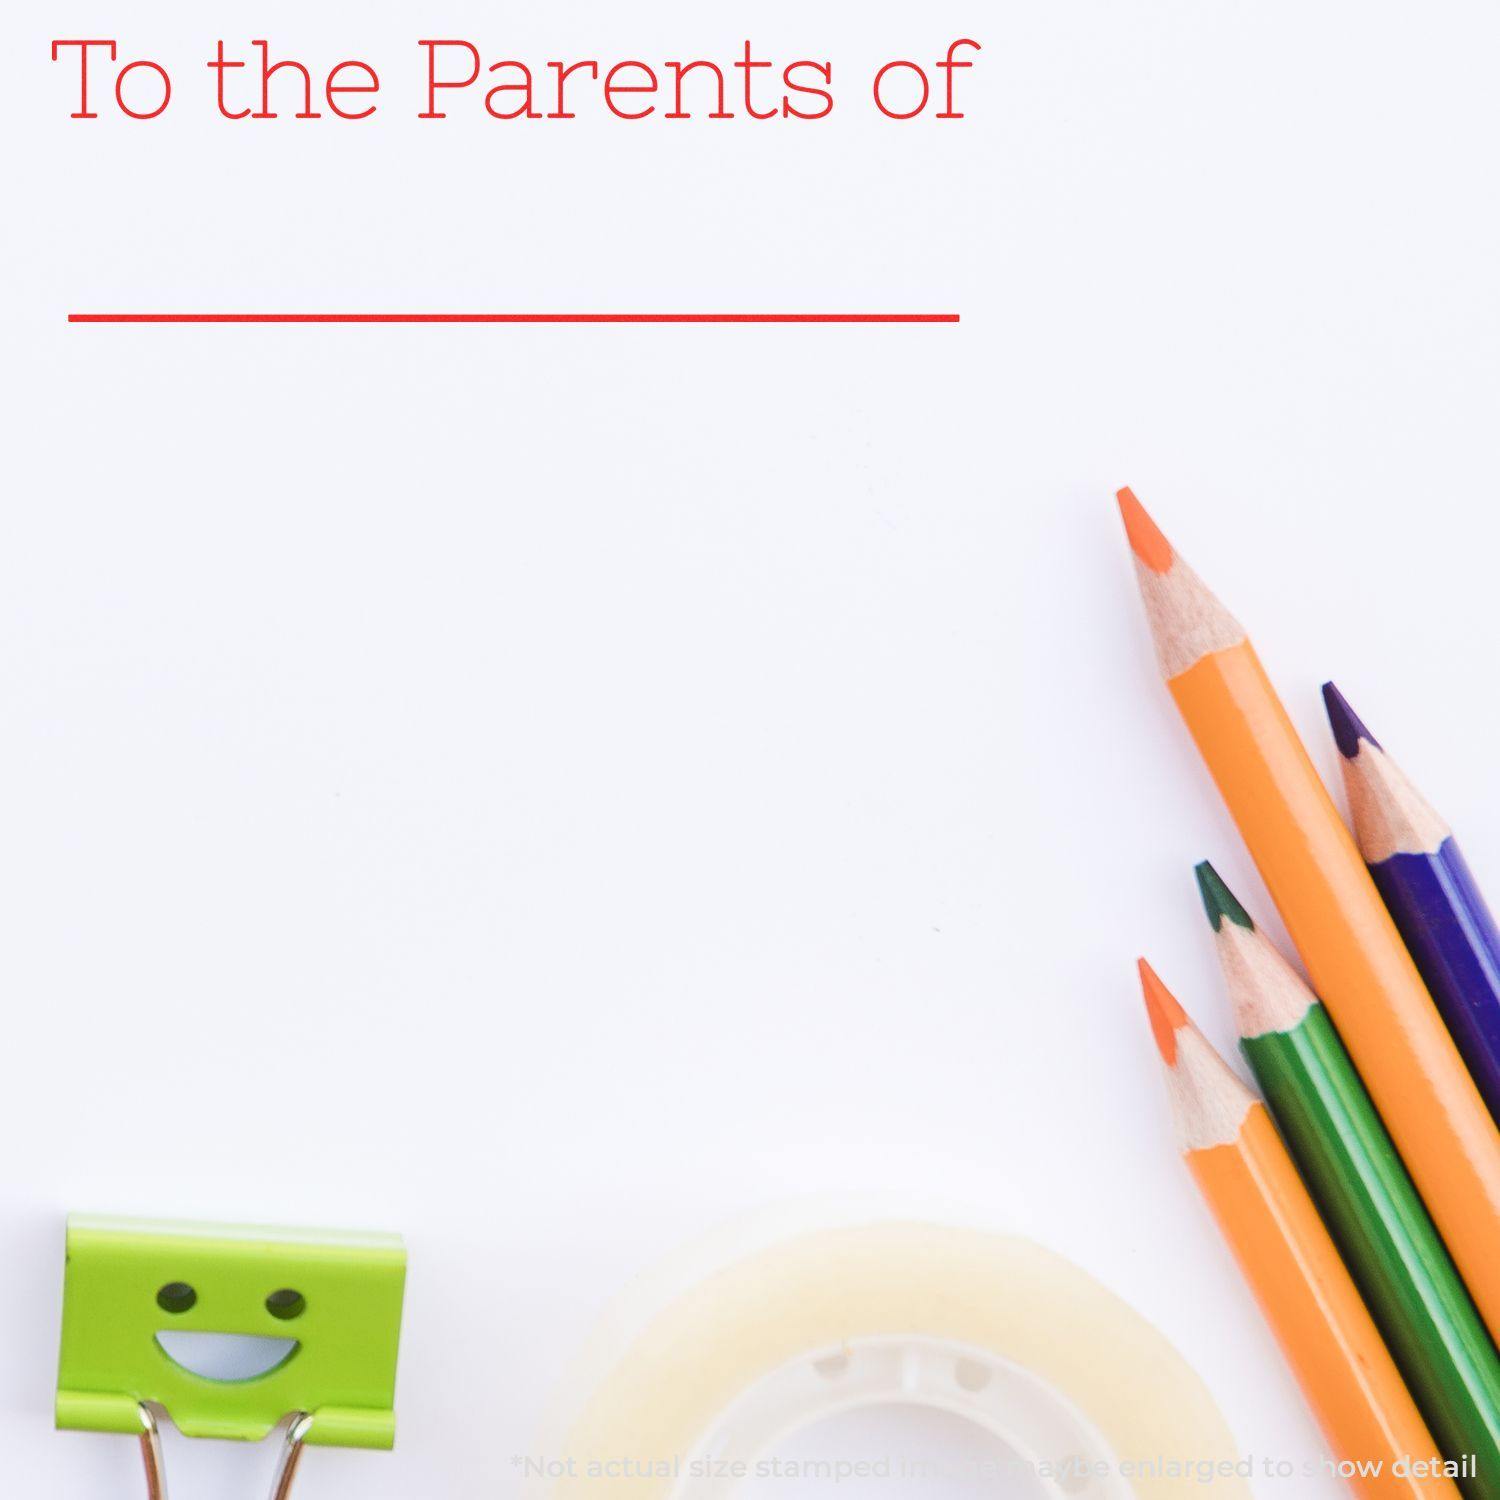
x=1335, y=916
x=1325, y=1332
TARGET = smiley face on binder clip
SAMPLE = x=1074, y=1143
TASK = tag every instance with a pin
x=230, y=1332
x=225, y=1356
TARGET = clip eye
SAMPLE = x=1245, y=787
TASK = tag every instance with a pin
x=286, y=1304
x=176, y=1297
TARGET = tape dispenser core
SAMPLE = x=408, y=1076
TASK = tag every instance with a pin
x=744, y=1342
x=1066, y=1456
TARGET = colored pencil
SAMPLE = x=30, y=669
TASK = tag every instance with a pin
x=1324, y=1329
x=1377, y=1220
x=1355, y=956
x=1427, y=887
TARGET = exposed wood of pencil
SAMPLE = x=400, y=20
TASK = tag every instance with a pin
x=1430, y=892
x=1331, y=908
x=1386, y=1237
x=1306, y=1294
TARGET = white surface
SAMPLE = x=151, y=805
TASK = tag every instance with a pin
x=551, y=790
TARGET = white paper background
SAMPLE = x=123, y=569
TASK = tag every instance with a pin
x=553, y=790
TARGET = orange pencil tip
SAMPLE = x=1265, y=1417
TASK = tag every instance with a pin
x=1165, y=1014
x=1146, y=541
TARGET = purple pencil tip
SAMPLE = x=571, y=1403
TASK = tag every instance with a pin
x=1348, y=728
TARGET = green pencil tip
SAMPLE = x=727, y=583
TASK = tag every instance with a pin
x=1218, y=899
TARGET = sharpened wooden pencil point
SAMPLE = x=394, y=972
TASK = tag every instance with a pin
x=1218, y=900
x=1145, y=538
x=1390, y=816
x=1348, y=728
x=1267, y=994
x=1187, y=622
x=1165, y=1014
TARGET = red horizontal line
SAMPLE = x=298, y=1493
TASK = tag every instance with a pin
x=461, y=317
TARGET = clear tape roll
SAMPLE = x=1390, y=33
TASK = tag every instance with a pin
x=1081, y=1388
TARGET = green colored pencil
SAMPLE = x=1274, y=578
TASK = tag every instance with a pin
x=1393, y=1251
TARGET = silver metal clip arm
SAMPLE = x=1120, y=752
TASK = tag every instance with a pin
x=286, y=1466
x=156, y=1475
x=291, y=1456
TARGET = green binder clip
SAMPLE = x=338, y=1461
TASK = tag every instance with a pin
x=312, y=1318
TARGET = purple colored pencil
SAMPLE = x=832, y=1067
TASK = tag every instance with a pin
x=1429, y=891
